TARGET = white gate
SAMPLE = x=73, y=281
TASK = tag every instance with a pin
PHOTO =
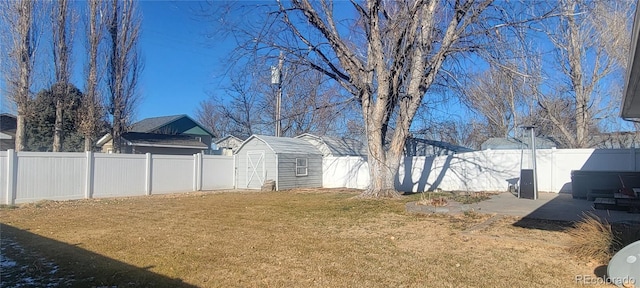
x=255, y=169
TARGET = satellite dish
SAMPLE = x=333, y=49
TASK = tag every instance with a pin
x=624, y=267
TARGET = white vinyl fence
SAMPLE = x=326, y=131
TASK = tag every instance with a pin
x=33, y=176
x=488, y=170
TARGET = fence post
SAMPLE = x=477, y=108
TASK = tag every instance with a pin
x=195, y=172
x=11, y=176
x=552, y=174
x=199, y=174
x=88, y=184
x=147, y=183
x=235, y=173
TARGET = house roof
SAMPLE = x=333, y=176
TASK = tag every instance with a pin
x=517, y=143
x=151, y=125
x=441, y=144
x=337, y=146
x=162, y=140
x=228, y=138
x=6, y=136
x=284, y=145
x=8, y=124
x=631, y=97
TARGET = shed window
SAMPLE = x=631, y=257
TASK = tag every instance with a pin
x=301, y=167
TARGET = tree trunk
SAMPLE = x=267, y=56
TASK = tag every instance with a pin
x=382, y=175
x=88, y=143
x=20, y=131
x=383, y=164
x=57, y=132
x=24, y=60
x=116, y=131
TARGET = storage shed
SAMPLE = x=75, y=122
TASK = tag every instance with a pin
x=290, y=162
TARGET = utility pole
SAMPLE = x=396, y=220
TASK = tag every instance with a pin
x=276, y=78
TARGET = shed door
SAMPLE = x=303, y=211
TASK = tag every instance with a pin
x=255, y=169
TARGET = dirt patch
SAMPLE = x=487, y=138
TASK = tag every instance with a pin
x=322, y=238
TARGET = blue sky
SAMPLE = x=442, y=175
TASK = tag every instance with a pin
x=181, y=65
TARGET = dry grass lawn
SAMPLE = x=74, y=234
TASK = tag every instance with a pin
x=322, y=238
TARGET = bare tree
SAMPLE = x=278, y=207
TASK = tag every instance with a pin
x=461, y=132
x=308, y=106
x=240, y=111
x=18, y=19
x=62, y=29
x=496, y=95
x=587, y=46
x=212, y=117
x=124, y=65
x=91, y=107
x=405, y=45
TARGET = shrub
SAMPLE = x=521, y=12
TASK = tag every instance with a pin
x=592, y=238
x=436, y=201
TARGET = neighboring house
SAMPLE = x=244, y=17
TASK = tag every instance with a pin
x=424, y=147
x=227, y=145
x=141, y=143
x=334, y=146
x=290, y=162
x=8, y=124
x=517, y=143
x=631, y=98
x=174, y=135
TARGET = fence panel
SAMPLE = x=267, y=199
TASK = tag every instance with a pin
x=171, y=174
x=119, y=175
x=3, y=177
x=488, y=170
x=217, y=172
x=473, y=171
x=345, y=172
x=54, y=176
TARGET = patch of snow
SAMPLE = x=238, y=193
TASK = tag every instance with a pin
x=29, y=269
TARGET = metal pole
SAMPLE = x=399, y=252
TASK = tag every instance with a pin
x=279, y=96
x=533, y=160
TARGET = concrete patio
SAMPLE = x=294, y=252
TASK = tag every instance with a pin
x=550, y=206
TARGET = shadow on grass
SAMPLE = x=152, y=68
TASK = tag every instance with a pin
x=541, y=224
x=32, y=258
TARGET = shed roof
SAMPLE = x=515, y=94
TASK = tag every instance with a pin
x=340, y=146
x=283, y=145
x=517, y=143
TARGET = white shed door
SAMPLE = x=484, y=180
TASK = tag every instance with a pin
x=255, y=169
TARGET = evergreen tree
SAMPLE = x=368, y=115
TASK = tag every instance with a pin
x=40, y=127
